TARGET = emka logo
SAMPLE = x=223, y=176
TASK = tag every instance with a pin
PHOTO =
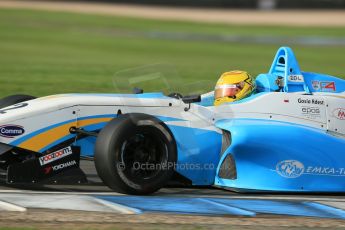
x=290, y=168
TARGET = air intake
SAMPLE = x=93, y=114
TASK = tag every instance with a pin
x=228, y=168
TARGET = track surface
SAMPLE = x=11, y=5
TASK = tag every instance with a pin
x=67, y=219
x=242, y=17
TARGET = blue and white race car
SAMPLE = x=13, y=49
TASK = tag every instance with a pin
x=289, y=136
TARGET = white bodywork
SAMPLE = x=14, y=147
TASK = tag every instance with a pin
x=318, y=111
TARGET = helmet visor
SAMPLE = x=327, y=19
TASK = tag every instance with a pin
x=227, y=90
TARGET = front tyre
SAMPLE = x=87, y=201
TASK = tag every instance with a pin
x=135, y=154
x=14, y=99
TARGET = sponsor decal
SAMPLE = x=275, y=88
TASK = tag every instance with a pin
x=324, y=171
x=55, y=155
x=290, y=168
x=59, y=167
x=296, y=78
x=315, y=85
x=64, y=165
x=311, y=112
x=339, y=113
x=326, y=86
x=16, y=106
x=48, y=170
x=294, y=169
x=310, y=101
x=11, y=131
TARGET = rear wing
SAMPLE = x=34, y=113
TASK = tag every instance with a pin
x=285, y=76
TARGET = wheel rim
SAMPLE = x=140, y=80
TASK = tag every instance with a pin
x=143, y=156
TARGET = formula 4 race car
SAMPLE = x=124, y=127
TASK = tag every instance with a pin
x=289, y=136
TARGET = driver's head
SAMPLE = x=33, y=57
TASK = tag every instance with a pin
x=233, y=86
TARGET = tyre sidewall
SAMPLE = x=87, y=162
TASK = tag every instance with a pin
x=14, y=99
x=108, y=153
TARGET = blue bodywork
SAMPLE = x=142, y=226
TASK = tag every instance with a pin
x=266, y=155
x=198, y=152
x=269, y=156
x=285, y=65
x=279, y=156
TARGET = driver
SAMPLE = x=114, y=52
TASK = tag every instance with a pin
x=233, y=86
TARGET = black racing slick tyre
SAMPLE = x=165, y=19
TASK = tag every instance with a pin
x=14, y=99
x=135, y=154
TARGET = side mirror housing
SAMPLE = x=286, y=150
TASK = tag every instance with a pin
x=191, y=99
x=137, y=90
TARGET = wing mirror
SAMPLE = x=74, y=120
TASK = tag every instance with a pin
x=191, y=99
x=137, y=90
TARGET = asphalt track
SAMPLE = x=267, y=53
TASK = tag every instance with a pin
x=228, y=16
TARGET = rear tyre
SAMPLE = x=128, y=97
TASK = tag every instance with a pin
x=135, y=154
x=14, y=99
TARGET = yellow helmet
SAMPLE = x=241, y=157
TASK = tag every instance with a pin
x=233, y=86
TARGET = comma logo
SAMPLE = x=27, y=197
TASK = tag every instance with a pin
x=290, y=168
x=11, y=131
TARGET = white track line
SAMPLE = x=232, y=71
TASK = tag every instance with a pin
x=118, y=207
x=11, y=207
x=59, y=192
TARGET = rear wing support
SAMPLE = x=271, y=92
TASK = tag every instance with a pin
x=285, y=66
